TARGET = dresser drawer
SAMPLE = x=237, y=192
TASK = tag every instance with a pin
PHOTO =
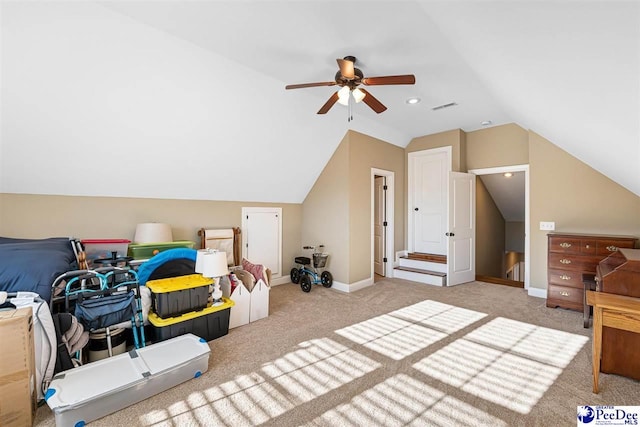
x=564, y=245
x=607, y=247
x=586, y=263
x=588, y=247
x=564, y=296
x=571, y=278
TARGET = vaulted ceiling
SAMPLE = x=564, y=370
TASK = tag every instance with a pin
x=566, y=70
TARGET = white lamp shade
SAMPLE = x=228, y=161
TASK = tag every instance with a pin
x=153, y=232
x=343, y=95
x=211, y=263
x=358, y=95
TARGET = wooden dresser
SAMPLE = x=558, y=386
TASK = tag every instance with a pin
x=569, y=256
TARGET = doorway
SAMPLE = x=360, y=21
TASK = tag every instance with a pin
x=382, y=223
x=505, y=190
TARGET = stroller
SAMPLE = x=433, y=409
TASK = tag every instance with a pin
x=103, y=300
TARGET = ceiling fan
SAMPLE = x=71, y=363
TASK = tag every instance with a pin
x=349, y=78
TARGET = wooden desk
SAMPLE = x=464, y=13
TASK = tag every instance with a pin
x=614, y=311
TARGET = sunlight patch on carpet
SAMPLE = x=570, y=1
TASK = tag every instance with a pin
x=505, y=362
x=305, y=376
x=546, y=345
x=443, y=317
x=402, y=400
x=410, y=329
x=246, y=400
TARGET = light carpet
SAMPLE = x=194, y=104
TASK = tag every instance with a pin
x=393, y=354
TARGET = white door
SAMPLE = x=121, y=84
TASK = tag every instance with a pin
x=428, y=201
x=262, y=237
x=379, y=218
x=461, y=231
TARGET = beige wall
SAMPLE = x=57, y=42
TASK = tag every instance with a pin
x=504, y=145
x=456, y=139
x=365, y=153
x=325, y=213
x=337, y=210
x=38, y=216
x=576, y=197
x=514, y=236
x=490, y=234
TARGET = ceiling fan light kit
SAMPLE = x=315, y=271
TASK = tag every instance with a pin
x=349, y=78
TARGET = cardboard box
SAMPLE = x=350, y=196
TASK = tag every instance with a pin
x=18, y=374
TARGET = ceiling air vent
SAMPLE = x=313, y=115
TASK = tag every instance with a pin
x=440, y=107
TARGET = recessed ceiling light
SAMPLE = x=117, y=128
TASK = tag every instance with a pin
x=508, y=174
x=486, y=123
x=413, y=100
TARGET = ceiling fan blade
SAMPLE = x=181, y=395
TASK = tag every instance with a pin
x=302, y=85
x=373, y=102
x=346, y=68
x=406, y=79
x=327, y=105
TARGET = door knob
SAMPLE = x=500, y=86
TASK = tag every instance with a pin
x=415, y=209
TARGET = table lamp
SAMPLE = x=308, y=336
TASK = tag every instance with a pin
x=213, y=264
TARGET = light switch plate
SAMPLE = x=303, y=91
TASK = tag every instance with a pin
x=547, y=225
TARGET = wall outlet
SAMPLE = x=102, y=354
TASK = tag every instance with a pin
x=547, y=225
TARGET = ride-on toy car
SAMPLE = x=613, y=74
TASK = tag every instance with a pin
x=306, y=276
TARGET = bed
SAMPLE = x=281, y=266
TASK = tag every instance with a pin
x=33, y=264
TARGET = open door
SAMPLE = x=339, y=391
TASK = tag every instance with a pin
x=379, y=224
x=461, y=228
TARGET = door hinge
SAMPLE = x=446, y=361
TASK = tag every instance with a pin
x=384, y=223
x=384, y=259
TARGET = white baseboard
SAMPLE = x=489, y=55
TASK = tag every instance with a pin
x=537, y=292
x=356, y=286
x=280, y=280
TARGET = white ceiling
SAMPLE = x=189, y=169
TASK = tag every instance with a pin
x=508, y=194
x=569, y=71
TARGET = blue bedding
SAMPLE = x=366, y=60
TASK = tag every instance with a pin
x=33, y=264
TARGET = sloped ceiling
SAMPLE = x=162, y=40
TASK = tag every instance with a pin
x=569, y=71
x=508, y=193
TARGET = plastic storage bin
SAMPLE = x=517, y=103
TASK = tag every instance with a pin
x=104, y=248
x=210, y=323
x=147, y=250
x=179, y=295
x=86, y=393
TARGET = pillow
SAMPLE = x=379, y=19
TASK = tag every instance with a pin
x=257, y=270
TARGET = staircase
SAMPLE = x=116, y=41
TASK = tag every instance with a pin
x=424, y=268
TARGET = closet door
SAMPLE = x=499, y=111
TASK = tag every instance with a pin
x=262, y=237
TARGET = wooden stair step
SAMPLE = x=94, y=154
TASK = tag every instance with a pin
x=420, y=270
x=441, y=259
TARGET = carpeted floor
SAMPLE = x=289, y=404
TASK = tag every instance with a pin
x=396, y=353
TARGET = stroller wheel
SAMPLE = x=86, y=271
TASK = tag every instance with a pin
x=295, y=275
x=327, y=279
x=305, y=283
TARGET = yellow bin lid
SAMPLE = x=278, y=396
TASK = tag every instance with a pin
x=171, y=284
x=157, y=321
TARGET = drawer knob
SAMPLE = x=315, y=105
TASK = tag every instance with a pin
x=612, y=248
x=587, y=246
x=565, y=277
x=564, y=293
x=565, y=245
x=565, y=261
